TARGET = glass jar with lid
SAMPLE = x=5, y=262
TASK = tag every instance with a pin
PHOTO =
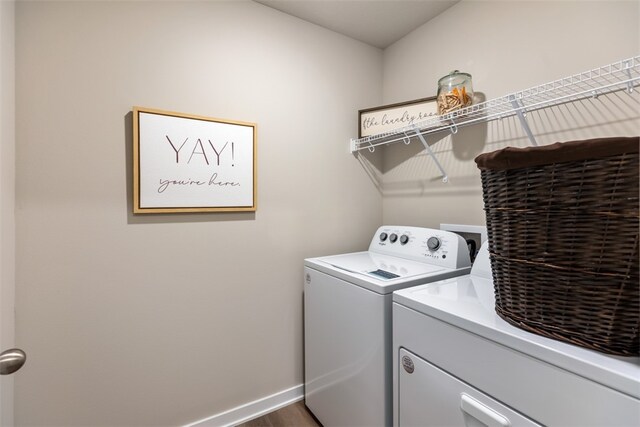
x=454, y=92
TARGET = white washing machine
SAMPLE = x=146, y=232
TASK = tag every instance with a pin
x=347, y=319
x=457, y=363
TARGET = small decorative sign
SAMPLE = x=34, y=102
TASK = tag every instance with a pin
x=187, y=163
x=386, y=118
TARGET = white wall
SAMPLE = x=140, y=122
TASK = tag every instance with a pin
x=507, y=46
x=7, y=199
x=168, y=319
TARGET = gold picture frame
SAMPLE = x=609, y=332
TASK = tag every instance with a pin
x=189, y=163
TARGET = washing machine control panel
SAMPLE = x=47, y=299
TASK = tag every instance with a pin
x=438, y=247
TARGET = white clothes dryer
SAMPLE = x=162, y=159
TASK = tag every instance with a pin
x=457, y=363
x=347, y=319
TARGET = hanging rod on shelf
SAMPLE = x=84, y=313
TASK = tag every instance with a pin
x=621, y=75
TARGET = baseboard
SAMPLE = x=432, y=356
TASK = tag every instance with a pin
x=251, y=410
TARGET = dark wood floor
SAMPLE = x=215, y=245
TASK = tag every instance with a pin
x=294, y=415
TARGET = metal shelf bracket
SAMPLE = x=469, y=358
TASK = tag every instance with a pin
x=353, y=146
x=518, y=107
x=445, y=178
x=627, y=67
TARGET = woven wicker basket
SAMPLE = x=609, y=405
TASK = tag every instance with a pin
x=563, y=228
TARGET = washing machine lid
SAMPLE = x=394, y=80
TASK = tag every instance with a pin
x=468, y=302
x=381, y=273
x=381, y=267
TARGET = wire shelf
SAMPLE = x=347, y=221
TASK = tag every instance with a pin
x=621, y=75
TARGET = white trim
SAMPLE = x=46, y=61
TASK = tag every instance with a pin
x=251, y=410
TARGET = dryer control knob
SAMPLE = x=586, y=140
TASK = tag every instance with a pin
x=383, y=237
x=404, y=239
x=393, y=238
x=433, y=243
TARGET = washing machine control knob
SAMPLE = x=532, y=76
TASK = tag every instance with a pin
x=383, y=237
x=404, y=239
x=433, y=243
x=393, y=238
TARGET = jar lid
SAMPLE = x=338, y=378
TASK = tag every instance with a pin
x=452, y=75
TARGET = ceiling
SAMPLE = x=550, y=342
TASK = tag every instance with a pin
x=379, y=23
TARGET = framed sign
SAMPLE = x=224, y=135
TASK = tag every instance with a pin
x=187, y=163
x=393, y=116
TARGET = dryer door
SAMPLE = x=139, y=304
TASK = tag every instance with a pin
x=429, y=396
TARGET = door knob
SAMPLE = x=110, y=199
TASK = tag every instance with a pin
x=11, y=360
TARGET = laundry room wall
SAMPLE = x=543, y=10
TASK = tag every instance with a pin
x=164, y=320
x=506, y=47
